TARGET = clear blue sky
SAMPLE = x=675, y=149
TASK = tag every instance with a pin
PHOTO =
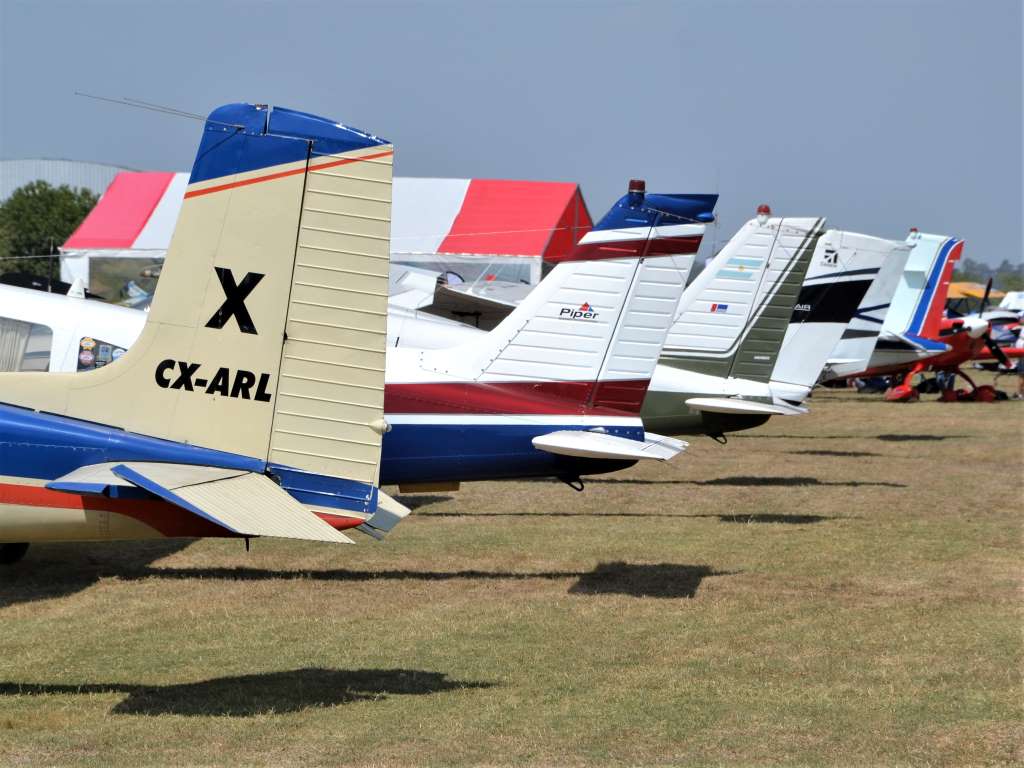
x=878, y=114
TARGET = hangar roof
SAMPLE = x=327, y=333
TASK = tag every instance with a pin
x=429, y=216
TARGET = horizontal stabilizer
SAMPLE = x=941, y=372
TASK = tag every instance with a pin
x=245, y=503
x=389, y=514
x=484, y=305
x=918, y=342
x=735, y=405
x=600, y=445
x=100, y=479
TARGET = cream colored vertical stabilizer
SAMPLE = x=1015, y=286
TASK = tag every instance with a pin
x=266, y=335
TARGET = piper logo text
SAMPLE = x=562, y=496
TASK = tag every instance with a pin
x=584, y=312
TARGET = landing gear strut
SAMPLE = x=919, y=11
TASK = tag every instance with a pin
x=904, y=392
x=12, y=553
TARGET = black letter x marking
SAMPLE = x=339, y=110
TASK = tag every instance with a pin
x=234, y=304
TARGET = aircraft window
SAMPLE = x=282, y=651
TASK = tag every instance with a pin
x=24, y=346
x=93, y=353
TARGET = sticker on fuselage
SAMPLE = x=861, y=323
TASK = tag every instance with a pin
x=95, y=353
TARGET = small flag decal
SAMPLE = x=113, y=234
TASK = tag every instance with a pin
x=719, y=307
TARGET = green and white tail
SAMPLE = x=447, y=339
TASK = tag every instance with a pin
x=733, y=317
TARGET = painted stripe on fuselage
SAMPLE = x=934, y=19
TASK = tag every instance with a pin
x=617, y=249
x=550, y=421
x=166, y=519
x=198, y=191
x=447, y=452
x=612, y=398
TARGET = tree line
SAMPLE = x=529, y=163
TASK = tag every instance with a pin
x=35, y=221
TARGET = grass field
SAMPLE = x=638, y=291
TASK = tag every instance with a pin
x=842, y=588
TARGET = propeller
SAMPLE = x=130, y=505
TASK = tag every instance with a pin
x=994, y=348
x=984, y=299
x=996, y=351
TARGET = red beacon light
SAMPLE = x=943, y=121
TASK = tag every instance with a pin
x=635, y=196
x=763, y=212
x=914, y=234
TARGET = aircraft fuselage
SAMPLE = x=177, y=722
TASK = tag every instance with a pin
x=36, y=449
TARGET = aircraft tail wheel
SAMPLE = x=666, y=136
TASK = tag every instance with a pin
x=901, y=393
x=12, y=553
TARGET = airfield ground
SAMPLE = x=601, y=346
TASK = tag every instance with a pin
x=836, y=589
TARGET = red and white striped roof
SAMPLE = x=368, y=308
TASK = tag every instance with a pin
x=489, y=217
x=136, y=213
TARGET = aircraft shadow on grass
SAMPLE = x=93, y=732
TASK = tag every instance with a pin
x=738, y=518
x=664, y=580
x=420, y=501
x=844, y=454
x=268, y=693
x=58, y=570
x=62, y=571
x=752, y=480
x=884, y=438
x=636, y=580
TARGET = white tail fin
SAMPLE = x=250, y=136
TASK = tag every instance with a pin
x=266, y=336
x=920, y=298
x=853, y=352
x=587, y=321
x=842, y=271
x=732, y=318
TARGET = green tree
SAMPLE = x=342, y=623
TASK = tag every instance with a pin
x=1008, y=276
x=35, y=220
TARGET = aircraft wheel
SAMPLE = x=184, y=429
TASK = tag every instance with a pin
x=902, y=394
x=12, y=553
x=985, y=394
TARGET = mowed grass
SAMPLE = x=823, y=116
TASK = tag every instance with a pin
x=842, y=588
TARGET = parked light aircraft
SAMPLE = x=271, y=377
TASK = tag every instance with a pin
x=917, y=338
x=60, y=333
x=752, y=332
x=269, y=319
x=806, y=288
x=555, y=390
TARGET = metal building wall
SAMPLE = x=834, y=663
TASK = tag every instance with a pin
x=74, y=173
